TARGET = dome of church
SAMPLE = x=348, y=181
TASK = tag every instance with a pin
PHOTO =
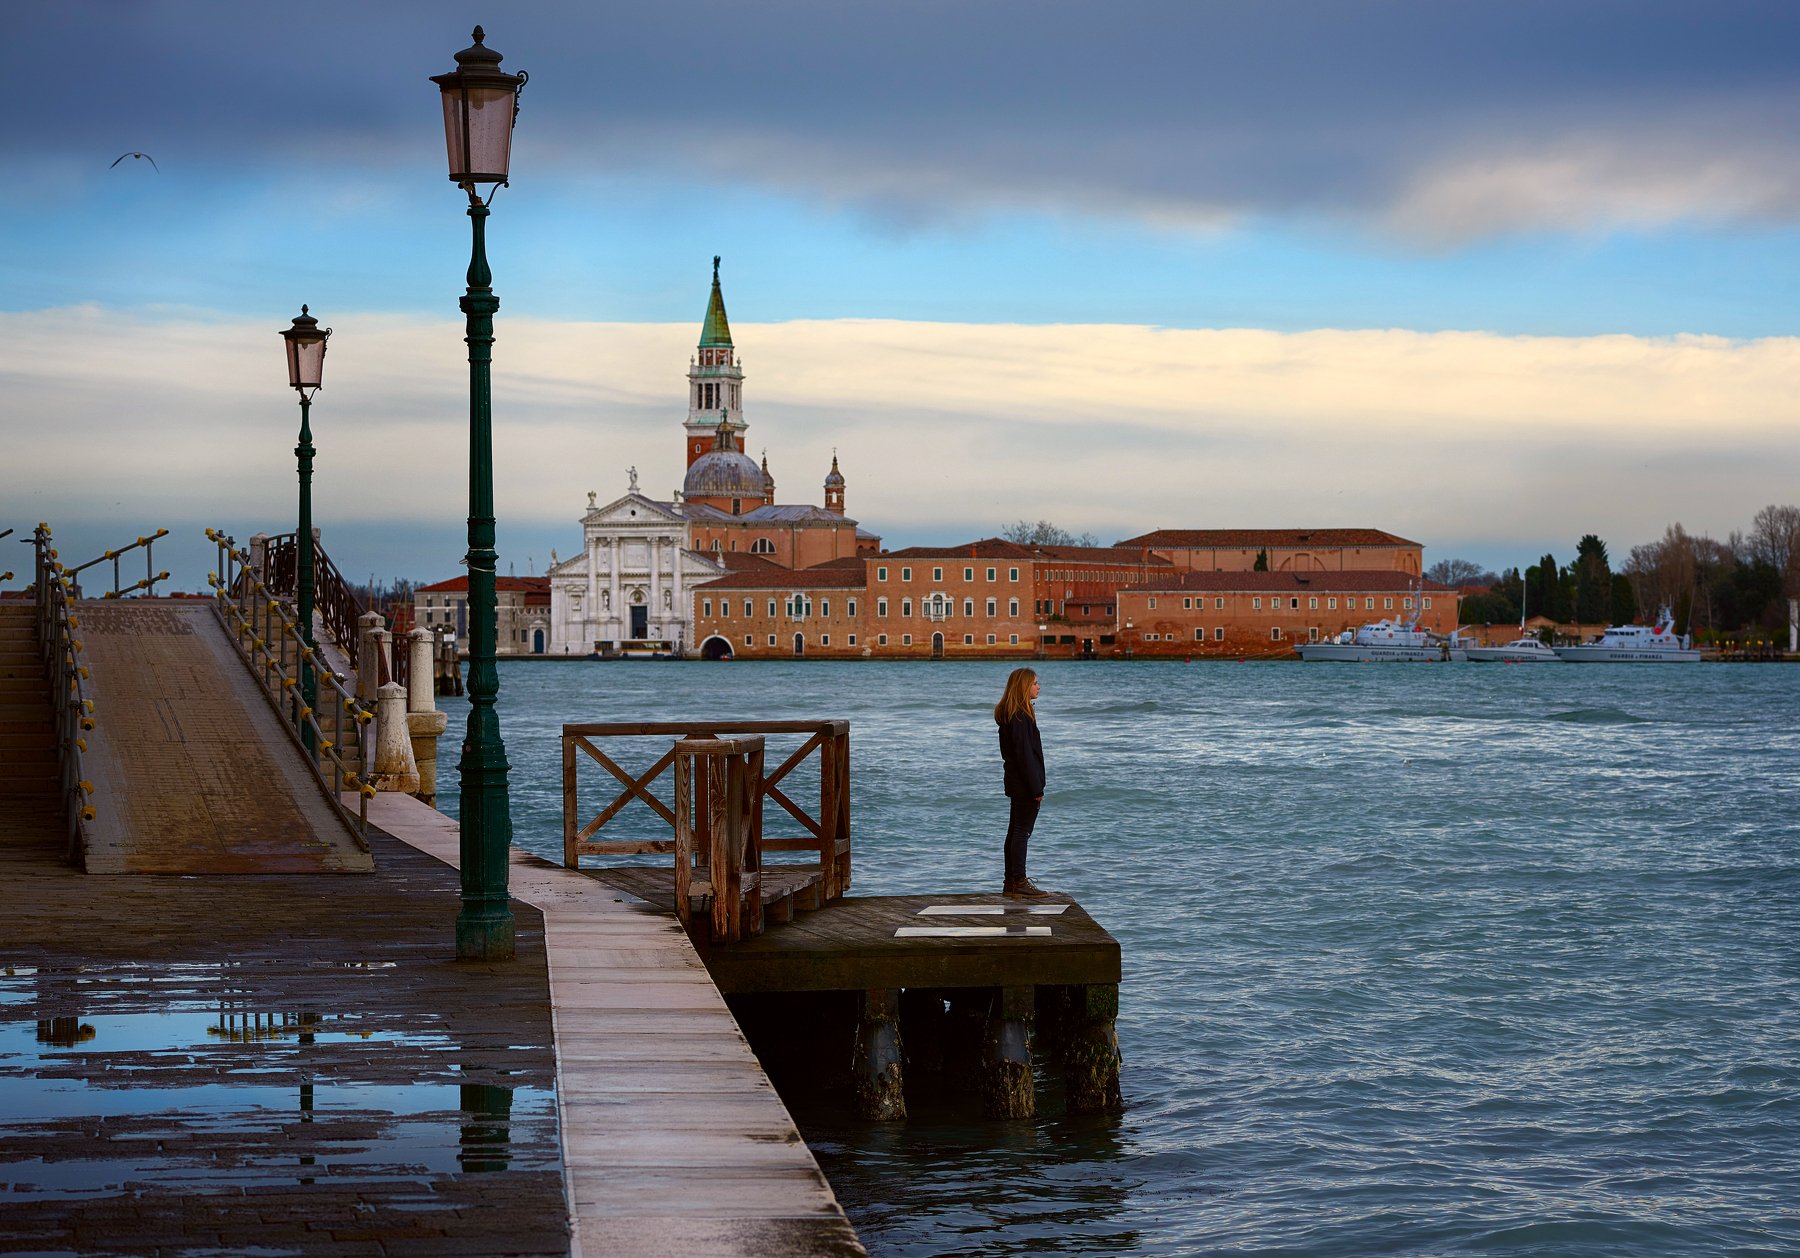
x=723, y=474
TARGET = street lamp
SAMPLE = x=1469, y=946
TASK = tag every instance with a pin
x=305, y=345
x=480, y=103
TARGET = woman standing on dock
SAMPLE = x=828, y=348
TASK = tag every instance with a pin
x=1023, y=755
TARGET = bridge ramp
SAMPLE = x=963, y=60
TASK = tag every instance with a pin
x=194, y=771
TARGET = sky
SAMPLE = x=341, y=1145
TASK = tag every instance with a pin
x=1487, y=276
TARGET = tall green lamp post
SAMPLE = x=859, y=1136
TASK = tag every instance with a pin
x=480, y=104
x=306, y=368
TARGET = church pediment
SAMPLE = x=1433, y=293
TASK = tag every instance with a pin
x=631, y=511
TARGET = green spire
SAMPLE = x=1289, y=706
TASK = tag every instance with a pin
x=715, y=331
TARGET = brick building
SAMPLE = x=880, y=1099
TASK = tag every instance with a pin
x=963, y=601
x=1074, y=593
x=1240, y=614
x=522, y=606
x=765, y=611
x=1286, y=550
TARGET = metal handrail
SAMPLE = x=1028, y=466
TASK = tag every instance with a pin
x=151, y=575
x=333, y=596
x=266, y=631
x=53, y=596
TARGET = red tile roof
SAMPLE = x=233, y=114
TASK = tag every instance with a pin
x=986, y=548
x=460, y=585
x=1176, y=539
x=776, y=578
x=1098, y=554
x=1316, y=582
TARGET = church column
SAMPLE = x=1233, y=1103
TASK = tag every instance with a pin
x=616, y=613
x=656, y=562
x=590, y=610
x=684, y=630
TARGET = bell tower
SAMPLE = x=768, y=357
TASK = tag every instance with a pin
x=834, y=487
x=715, y=382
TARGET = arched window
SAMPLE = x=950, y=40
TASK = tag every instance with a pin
x=762, y=546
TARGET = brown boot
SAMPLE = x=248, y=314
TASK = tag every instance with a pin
x=1025, y=889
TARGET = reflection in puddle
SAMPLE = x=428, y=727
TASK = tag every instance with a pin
x=248, y=1100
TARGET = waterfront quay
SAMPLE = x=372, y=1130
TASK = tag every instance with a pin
x=295, y=1064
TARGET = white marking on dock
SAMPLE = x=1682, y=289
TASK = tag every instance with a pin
x=966, y=932
x=991, y=910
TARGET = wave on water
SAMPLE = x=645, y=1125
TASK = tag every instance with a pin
x=1598, y=716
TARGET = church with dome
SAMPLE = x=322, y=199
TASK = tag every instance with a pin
x=629, y=590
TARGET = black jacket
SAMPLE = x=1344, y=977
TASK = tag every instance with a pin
x=1023, y=754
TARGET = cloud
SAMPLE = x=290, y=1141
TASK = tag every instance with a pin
x=943, y=430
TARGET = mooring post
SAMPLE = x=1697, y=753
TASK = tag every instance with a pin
x=1007, y=1089
x=880, y=1096
x=1091, y=1051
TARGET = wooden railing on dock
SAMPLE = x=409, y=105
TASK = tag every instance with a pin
x=826, y=833
x=718, y=825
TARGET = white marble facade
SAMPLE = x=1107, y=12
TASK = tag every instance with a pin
x=631, y=581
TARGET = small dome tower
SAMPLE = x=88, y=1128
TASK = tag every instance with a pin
x=834, y=487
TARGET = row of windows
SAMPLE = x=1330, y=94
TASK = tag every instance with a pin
x=796, y=608
x=937, y=574
x=1312, y=601
x=1218, y=634
x=993, y=639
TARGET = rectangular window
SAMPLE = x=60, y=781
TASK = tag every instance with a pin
x=1152, y=603
x=824, y=607
x=851, y=610
x=1012, y=607
x=771, y=611
x=1312, y=633
x=906, y=639
x=852, y=639
x=1219, y=633
x=881, y=639
x=968, y=607
x=771, y=639
x=1331, y=603
x=1275, y=634
x=1427, y=603
x=1219, y=604
x=968, y=639
x=747, y=610
x=906, y=607
x=968, y=574
x=906, y=574
x=1369, y=603
x=881, y=574
x=1387, y=603
x=824, y=639
x=993, y=607
x=937, y=574
x=1294, y=603
x=1257, y=602
x=1012, y=574
x=1406, y=602
x=881, y=607
x=1012, y=639
x=993, y=573
x=1199, y=635
x=1187, y=603
x=749, y=640
x=706, y=608
x=1312, y=602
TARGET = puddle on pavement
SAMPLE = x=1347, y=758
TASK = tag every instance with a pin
x=245, y=1128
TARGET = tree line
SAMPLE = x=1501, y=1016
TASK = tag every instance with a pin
x=1738, y=587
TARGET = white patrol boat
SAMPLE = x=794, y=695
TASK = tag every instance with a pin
x=1385, y=641
x=1636, y=644
x=1518, y=651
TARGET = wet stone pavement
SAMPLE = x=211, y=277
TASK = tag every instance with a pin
x=277, y=1064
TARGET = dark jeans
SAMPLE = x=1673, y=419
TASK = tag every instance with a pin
x=1018, y=834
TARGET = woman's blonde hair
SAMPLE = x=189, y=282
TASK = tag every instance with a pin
x=1017, y=697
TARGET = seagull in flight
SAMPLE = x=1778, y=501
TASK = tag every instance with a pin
x=122, y=156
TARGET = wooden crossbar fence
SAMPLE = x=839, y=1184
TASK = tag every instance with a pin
x=826, y=832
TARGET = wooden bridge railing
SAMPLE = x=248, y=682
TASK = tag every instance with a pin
x=826, y=833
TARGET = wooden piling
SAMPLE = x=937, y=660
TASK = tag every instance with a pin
x=880, y=1095
x=1007, y=1086
x=1091, y=1051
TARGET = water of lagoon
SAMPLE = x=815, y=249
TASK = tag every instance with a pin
x=1439, y=959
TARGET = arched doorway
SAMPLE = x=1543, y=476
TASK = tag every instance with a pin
x=640, y=616
x=937, y=646
x=799, y=645
x=537, y=641
x=715, y=648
